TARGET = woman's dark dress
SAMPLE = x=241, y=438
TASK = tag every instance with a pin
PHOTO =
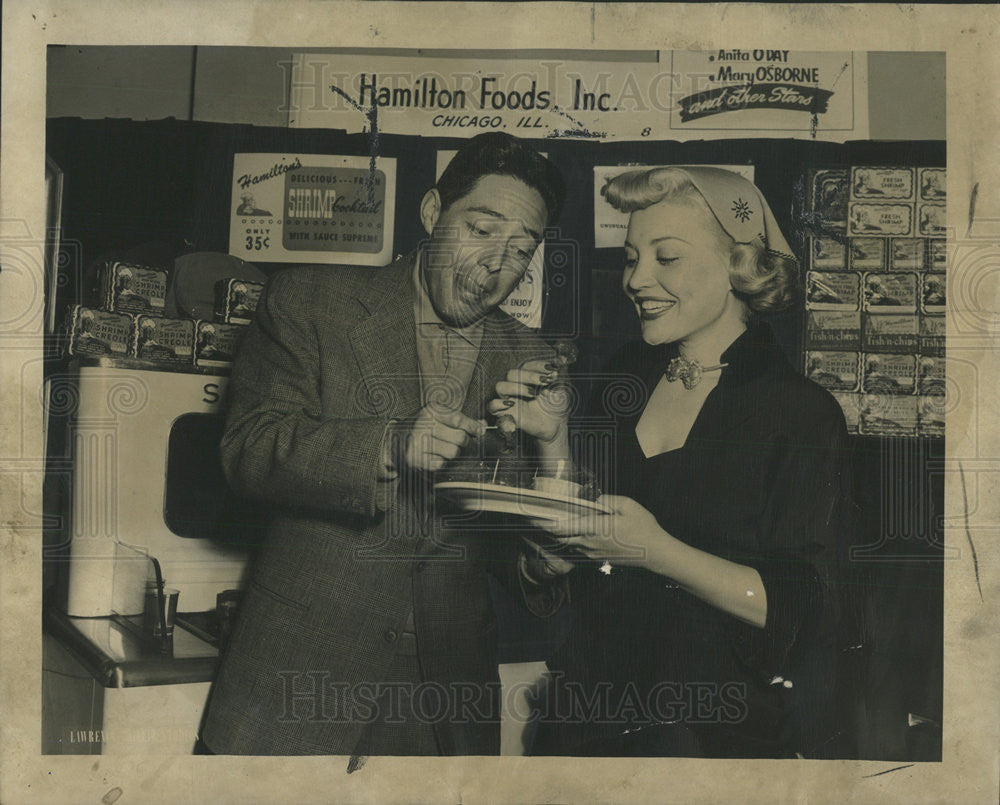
x=762, y=480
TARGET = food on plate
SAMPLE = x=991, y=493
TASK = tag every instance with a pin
x=557, y=486
x=566, y=353
x=507, y=426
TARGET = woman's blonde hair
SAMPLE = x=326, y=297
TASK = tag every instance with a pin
x=765, y=281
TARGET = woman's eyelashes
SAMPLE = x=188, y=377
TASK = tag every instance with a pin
x=661, y=259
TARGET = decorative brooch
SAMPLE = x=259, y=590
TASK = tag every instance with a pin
x=688, y=372
x=741, y=210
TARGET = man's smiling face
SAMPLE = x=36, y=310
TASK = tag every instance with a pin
x=480, y=246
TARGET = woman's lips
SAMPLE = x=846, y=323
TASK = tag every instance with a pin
x=653, y=308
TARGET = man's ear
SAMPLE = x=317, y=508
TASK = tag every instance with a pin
x=430, y=209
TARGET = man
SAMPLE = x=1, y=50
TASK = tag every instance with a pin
x=367, y=627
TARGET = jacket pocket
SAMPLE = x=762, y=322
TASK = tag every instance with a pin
x=277, y=596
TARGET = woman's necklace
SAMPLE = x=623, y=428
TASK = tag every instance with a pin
x=689, y=372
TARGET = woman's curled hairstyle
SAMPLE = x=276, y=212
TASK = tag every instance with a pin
x=767, y=281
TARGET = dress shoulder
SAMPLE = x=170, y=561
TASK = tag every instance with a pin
x=802, y=405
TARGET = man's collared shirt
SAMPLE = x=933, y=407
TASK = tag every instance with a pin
x=446, y=358
x=446, y=355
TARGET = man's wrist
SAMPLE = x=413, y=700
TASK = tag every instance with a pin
x=536, y=572
x=389, y=455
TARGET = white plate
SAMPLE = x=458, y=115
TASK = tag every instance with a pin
x=516, y=500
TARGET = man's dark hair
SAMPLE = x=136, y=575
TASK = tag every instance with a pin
x=496, y=153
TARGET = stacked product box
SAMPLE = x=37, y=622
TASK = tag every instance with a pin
x=164, y=341
x=932, y=392
x=91, y=332
x=216, y=343
x=133, y=288
x=876, y=294
x=130, y=322
x=236, y=300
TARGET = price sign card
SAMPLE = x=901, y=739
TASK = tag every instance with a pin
x=312, y=208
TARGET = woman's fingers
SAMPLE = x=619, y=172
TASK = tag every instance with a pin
x=507, y=388
x=592, y=527
x=529, y=377
x=556, y=527
x=541, y=365
x=501, y=405
x=613, y=502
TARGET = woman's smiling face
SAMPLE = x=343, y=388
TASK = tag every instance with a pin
x=677, y=270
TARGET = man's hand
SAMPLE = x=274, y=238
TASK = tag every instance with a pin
x=541, y=565
x=434, y=438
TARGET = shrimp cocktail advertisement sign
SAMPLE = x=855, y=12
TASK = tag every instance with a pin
x=678, y=95
x=301, y=208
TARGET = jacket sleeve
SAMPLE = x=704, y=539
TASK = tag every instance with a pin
x=278, y=444
x=803, y=527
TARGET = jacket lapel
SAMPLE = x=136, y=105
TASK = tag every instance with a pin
x=491, y=366
x=503, y=342
x=384, y=342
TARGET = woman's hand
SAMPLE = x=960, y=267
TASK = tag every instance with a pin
x=629, y=535
x=535, y=398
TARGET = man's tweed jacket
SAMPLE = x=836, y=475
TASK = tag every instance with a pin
x=328, y=362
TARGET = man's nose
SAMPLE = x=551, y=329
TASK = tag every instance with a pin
x=493, y=259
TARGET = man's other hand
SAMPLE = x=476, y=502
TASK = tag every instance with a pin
x=435, y=437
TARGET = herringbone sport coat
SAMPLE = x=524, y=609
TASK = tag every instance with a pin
x=328, y=362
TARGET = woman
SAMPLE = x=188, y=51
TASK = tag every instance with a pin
x=714, y=632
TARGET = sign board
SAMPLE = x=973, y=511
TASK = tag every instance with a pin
x=312, y=208
x=732, y=93
x=747, y=93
